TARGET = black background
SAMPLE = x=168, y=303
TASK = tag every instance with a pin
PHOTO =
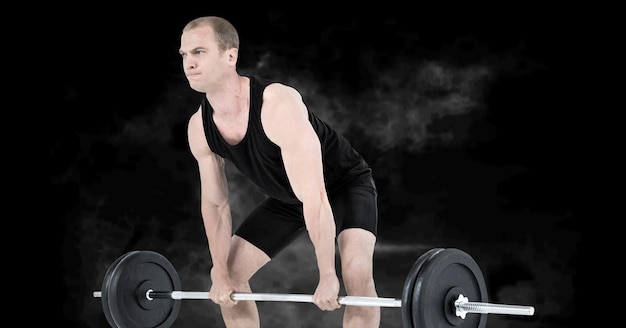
x=465, y=117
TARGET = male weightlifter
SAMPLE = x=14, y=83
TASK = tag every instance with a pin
x=313, y=178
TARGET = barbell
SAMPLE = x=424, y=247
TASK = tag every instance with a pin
x=142, y=289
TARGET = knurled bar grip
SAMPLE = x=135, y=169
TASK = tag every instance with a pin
x=271, y=297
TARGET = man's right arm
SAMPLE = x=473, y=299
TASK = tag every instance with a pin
x=214, y=207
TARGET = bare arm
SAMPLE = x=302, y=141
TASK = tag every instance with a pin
x=214, y=203
x=286, y=123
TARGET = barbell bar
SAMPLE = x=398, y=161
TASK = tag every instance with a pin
x=462, y=305
x=129, y=300
x=271, y=297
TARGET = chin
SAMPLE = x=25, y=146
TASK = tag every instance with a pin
x=196, y=86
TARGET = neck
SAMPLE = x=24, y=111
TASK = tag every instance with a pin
x=230, y=97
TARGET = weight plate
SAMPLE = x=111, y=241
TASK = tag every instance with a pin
x=105, y=289
x=124, y=291
x=409, y=282
x=448, y=270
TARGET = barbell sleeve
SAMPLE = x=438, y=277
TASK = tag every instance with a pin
x=463, y=306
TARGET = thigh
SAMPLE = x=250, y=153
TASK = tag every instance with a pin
x=356, y=251
x=356, y=206
x=356, y=243
x=272, y=225
x=244, y=259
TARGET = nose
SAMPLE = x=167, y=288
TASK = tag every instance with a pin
x=188, y=63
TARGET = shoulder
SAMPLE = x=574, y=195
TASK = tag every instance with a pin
x=195, y=121
x=277, y=92
x=280, y=99
x=195, y=134
x=283, y=113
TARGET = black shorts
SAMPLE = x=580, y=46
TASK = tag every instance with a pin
x=274, y=224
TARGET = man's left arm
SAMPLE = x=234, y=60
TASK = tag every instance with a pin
x=285, y=121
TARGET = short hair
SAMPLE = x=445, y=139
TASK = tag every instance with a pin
x=225, y=33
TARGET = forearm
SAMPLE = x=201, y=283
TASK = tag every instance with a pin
x=320, y=225
x=218, y=228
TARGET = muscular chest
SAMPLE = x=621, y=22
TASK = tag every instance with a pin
x=232, y=129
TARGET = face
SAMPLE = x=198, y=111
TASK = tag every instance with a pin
x=203, y=63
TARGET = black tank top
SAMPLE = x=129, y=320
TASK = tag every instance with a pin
x=258, y=158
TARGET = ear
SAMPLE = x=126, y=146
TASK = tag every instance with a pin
x=233, y=55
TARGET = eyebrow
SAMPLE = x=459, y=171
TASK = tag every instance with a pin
x=180, y=51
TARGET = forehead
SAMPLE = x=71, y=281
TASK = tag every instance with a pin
x=197, y=37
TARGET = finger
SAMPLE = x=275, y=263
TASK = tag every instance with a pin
x=227, y=302
x=331, y=305
x=227, y=299
x=224, y=299
x=213, y=298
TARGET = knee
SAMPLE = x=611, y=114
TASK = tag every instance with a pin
x=357, y=275
x=238, y=275
x=243, y=286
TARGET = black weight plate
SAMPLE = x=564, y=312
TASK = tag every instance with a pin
x=126, y=285
x=106, y=282
x=407, y=290
x=448, y=269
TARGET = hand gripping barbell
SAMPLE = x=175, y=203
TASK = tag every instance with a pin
x=142, y=289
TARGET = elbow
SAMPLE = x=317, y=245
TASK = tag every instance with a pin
x=315, y=198
x=316, y=207
x=214, y=208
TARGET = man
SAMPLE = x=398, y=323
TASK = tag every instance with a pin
x=312, y=176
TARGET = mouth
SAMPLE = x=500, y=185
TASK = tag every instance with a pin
x=192, y=75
